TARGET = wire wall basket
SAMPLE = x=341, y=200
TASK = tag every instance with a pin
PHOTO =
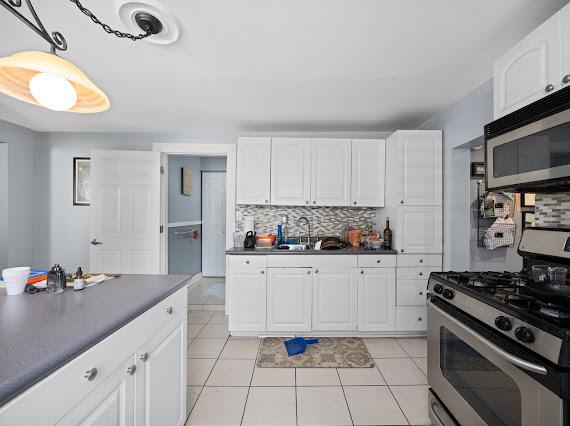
x=495, y=224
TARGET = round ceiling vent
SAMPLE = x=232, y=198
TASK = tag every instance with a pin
x=149, y=14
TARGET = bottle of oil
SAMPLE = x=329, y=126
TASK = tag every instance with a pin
x=387, y=235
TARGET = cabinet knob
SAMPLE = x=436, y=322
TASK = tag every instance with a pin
x=421, y=293
x=378, y=261
x=247, y=261
x=420, y=274
x=316, y=271
x=401, y=201
x=308, y=272
x=549, y=88
x=401, y=250
x=314, y=202
x=132, y=369
x=266, y=201
x=420, y=318
x=354, y=203
x=361, y=272
x=169, y=310
x=262, y=272
x=144, y=357
x=566, y=79
x=90, y=374
x=421, y=261
x=306, y=202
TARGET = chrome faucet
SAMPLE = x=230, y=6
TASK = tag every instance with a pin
x=309, y=226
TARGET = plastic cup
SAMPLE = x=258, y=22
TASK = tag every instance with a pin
x=15, y=279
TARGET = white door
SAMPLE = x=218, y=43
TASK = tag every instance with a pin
x=418, y=229
x=289, y=294
x=330, y=172
x=112, y=403
x=253, y=170
x=161, y=377
x=565, y=47
x=368, y=172
x=213, y=224
x=377, y=299
x=125, y=212
x=419, y=177
x=290, y=171
x=524, y=73
x=248, y=295
x=334, y=299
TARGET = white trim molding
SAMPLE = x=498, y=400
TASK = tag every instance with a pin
x=177, y=224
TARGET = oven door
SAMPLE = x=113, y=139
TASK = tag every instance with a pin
x=530, y=155
x=479, y=380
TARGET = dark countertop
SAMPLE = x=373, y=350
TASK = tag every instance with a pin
x=349, y=250
x=41, y=332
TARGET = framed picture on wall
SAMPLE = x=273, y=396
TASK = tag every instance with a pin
x=81, y=181
x=477, y=170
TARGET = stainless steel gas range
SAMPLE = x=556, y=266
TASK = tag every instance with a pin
x=499, y=343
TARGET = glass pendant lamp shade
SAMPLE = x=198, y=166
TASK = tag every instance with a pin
x=47, y=80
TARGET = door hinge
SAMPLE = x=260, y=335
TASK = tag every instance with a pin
x=161, y=229
x=161, y=170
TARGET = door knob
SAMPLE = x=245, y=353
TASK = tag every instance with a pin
x=549, y=88
x=566, y=79
x=94, y=242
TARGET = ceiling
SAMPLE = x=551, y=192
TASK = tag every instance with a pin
x=279, y=65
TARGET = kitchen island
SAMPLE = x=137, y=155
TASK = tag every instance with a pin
x=65, y=356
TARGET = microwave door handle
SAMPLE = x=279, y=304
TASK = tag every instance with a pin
x=535, y=368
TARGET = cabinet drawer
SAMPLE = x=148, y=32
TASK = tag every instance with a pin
x=242, y=261
x=376, y=261
x=406, y=260
x=312, y=261
x=411, y=318
x=59, y=392
x=415, y=273
x=411, y=292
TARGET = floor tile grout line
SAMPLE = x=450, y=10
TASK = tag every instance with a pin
x=399, y=406
x=345, y=398
x=296, y=399
x=249, y=387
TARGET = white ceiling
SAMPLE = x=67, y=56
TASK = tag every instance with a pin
x=279, y=65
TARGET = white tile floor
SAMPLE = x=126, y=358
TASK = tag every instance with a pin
x=225, y=388
x=207, y=294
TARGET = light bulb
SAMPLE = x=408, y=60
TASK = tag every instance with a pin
x=52, y=91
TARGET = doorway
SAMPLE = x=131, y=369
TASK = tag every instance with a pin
x=213, y=224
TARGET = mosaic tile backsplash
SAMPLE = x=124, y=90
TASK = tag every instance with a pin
x=324, y=220
x=553, y=210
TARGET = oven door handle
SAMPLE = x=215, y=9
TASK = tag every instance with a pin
x=535, y=368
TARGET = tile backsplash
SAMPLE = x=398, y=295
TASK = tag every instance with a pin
x=553, y=210
x=324, y=220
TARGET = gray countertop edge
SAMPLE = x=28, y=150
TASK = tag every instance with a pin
x=347, y=251
x=9, y=389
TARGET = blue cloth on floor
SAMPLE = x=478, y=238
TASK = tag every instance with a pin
x=297, y=345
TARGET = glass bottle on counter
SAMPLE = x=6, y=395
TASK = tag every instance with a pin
x=387, y=235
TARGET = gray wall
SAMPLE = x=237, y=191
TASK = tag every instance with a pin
x=4, y=201
x=213, y=164
x=184, y=208
x=17, y=243
x=461, y=123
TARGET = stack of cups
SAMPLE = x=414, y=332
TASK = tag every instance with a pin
x=15, y=279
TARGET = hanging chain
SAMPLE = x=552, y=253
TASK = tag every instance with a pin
x=107, y=28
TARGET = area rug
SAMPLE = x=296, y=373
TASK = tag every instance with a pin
x=330, y=352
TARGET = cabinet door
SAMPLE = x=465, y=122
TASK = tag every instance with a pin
x=290, y=171
x=161, y=377
x=289, y=295
x=253, y=171
x=334, y=299
x=411, y=292
x=419, y=158
x=112, y=403
x=565, y=48
x=368, y=172
x=523, y=74
x=330, y=172
x=377, y=299
x=247, y=299
x=418, y=229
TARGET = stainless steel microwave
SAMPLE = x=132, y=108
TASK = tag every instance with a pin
x=529, y=149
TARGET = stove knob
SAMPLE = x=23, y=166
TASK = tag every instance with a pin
x=524, y=334
x=503, y=323
x=438, y=288
x=448, y=294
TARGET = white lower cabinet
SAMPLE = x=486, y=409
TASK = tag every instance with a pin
x=334, y=299
x=376, y=299
x=411, y=318
x=160, y=383
x=289, y=297
x=411, y=292
x=248, y=303
x=112, y=403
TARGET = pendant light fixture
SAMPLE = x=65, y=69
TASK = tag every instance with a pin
x=45, y=79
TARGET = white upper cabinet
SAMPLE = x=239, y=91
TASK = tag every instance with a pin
x=290, y=171
x=565, y=31
x=289, y=295
x=330, y=172
x=419, y=179
x=334, y=299
x=368, y=172
x=377, y=299
x=253, y=171
x=531, y=69
x=419, y=229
